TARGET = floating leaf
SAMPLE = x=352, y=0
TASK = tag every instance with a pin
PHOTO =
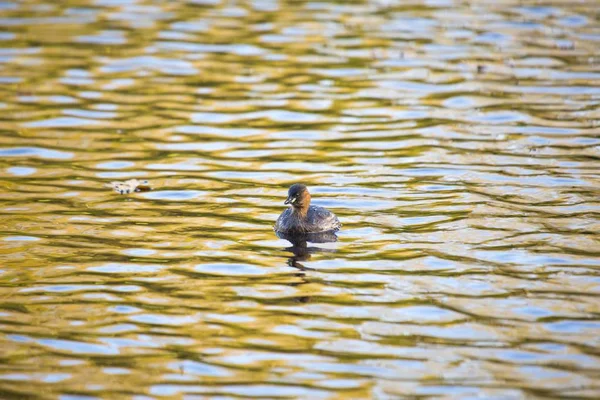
x=130, y=186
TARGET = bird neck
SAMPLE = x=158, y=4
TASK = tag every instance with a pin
x=301, y=210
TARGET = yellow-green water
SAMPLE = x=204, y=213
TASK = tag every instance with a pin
x=457, y=141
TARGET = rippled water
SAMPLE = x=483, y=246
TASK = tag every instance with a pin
x=457, y=141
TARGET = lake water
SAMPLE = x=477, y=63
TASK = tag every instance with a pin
x=457, y=141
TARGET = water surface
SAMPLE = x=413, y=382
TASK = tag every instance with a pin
x=458, y=142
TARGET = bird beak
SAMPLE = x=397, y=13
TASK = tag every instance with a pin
x=289, y=200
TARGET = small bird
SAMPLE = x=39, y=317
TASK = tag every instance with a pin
x=302, y=218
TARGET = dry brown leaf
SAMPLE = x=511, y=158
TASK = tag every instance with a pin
x=130, y=186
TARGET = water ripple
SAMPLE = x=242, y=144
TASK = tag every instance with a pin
x=457, y=143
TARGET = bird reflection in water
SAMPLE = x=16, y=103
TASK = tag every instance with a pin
x=300, y=248
x=302, y=252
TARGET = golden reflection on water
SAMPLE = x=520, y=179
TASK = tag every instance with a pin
x=458, y=142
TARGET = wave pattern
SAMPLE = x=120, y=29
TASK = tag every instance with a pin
x=457, y=141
